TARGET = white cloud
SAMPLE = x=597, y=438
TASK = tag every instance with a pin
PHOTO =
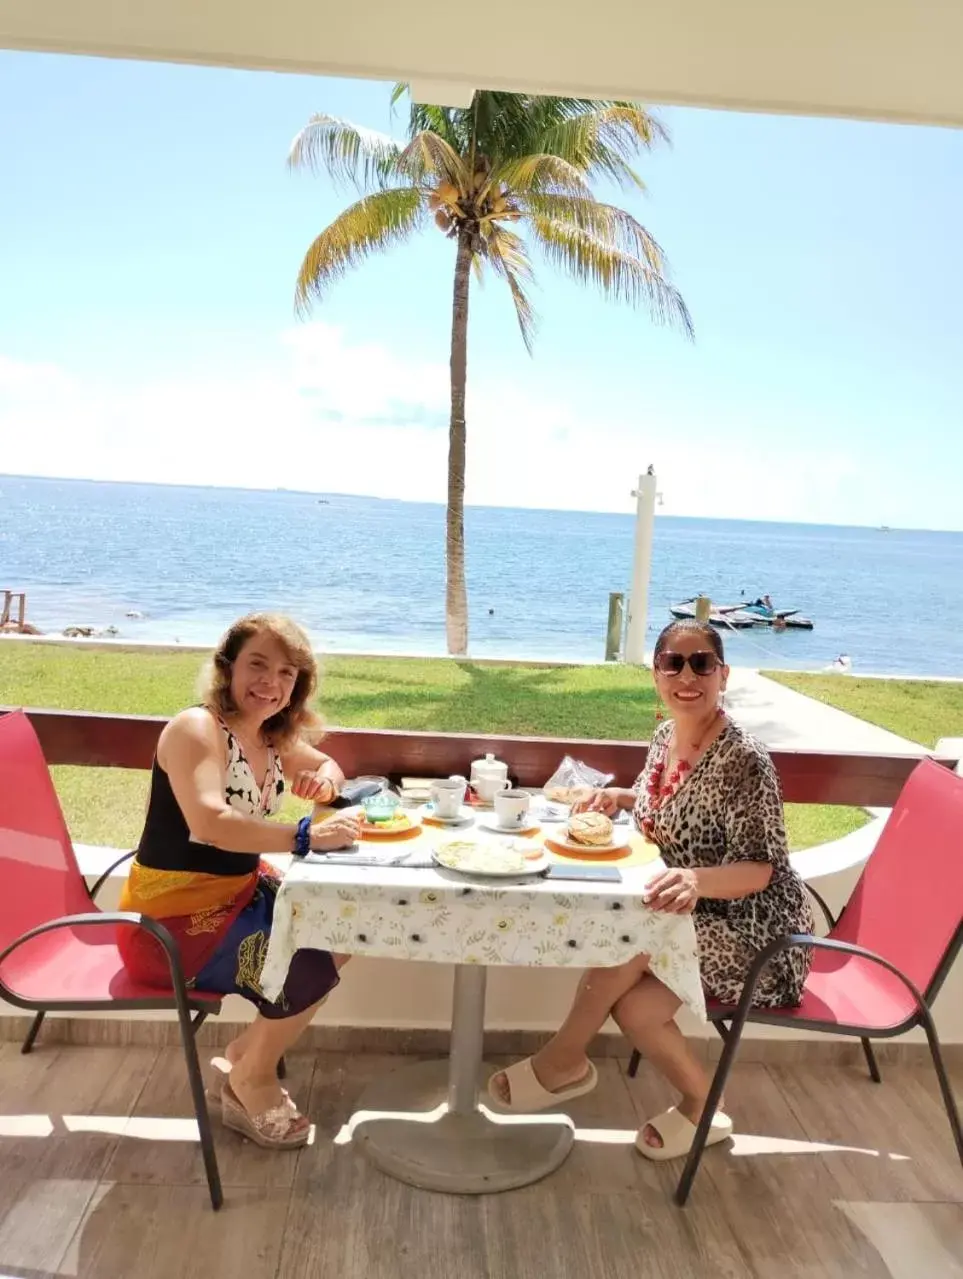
x=330, y=415
x=366, y=382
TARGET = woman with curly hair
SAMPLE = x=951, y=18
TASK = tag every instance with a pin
x=217, y=777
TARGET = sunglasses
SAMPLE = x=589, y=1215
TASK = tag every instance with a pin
x=701, y=663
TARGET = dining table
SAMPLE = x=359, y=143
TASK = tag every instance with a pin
x=431, y=1123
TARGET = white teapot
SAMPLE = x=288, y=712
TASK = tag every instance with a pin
x=488, y=769
x=488, y=777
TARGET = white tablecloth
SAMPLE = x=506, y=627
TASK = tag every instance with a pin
x=435, y=915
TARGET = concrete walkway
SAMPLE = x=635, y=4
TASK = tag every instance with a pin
x=783, y=718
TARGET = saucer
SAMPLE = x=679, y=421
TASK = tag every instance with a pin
x=496, y=828
x=464, y=818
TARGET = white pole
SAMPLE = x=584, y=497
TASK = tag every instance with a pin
x=645, y=496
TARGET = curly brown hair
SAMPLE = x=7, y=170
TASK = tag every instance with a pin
x=297, y=719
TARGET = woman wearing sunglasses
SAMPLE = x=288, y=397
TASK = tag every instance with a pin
x=710, y=799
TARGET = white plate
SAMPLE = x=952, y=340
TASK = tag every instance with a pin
x=559, y=813
x=493, y=827
x=535, y=866
x=464, y=818
x=619, y=840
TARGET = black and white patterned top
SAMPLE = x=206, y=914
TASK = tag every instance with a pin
x=241, y=788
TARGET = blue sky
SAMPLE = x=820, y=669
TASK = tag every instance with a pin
x=150, y=235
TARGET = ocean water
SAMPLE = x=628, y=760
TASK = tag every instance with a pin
x=367, y=575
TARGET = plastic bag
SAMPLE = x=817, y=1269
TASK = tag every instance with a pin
x=573, y=774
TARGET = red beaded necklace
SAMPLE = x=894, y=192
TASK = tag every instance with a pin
x=661, y=789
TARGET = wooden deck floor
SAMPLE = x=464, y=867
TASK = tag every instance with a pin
x=100, y=1177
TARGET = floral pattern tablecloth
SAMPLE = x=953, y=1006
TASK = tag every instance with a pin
x=435, y=915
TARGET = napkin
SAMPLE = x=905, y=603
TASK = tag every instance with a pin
x=382, y=857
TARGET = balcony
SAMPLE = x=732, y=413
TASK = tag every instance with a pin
x=829, y=1173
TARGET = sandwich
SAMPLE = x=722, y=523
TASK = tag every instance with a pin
x=592, y=829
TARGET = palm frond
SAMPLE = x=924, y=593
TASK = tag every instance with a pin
x=601, y=139
x=429, y=158
x=451, y=123
x=606, y=222
x=363, y=229
x=532, y=120
x=508, y=257
x=501, y=124
x=509, y=250
x=619, y=274
x=350, y=154
x=540, y=172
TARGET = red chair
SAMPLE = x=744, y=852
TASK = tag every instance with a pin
x=58, y=949
x=880, y=968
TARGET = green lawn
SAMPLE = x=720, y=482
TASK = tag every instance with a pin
x=415, y=693
x=921, y=710
x=106, y=806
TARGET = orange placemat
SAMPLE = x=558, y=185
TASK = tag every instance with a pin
x=384, y=835
x=636, y=853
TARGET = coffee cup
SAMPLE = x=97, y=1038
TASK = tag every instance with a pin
x=486, y=788
x=448, y=795
x=511, y=807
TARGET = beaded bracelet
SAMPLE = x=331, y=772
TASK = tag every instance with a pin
x=302, y=840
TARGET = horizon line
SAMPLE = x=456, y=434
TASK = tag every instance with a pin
x=479, y=506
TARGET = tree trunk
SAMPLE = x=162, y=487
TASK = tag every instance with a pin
x=456, y=596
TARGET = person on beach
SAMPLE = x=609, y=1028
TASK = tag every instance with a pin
x=218, y=775
x=710, y=799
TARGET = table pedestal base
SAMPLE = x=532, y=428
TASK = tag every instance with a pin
x=421, y=1141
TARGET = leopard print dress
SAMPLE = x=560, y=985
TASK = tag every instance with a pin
x=729, y=809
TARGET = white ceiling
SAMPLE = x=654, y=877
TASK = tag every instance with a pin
x=878, y=59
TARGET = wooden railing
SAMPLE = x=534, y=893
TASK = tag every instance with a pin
x=808, y=777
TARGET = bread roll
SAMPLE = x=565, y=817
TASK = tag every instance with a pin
x=593, y=829
x=564, y=794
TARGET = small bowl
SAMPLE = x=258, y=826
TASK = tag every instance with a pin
x=384, y=804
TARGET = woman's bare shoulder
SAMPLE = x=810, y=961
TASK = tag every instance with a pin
x=194, y=727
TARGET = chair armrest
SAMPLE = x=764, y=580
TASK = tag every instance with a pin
x=110, y=870
x=831, y=919
x=124, y=917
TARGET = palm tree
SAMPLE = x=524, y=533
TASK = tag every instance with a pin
x=481, y=174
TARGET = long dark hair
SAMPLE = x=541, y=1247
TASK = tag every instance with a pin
x=689, y=626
